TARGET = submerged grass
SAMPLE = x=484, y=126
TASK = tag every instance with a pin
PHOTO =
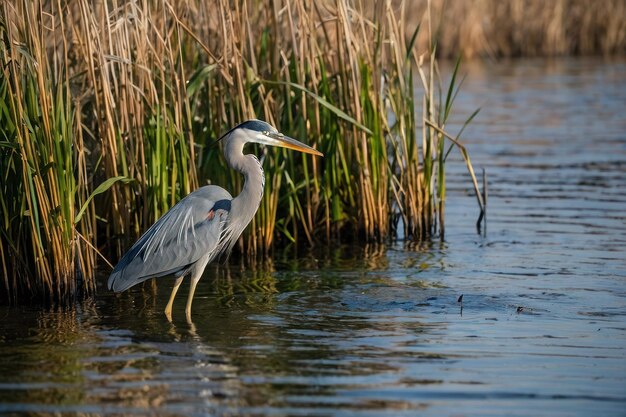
x=109, y=109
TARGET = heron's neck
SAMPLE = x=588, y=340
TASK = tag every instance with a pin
x=254, y=180
x=245, y=205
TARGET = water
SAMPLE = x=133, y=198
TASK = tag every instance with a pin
x=373, y=331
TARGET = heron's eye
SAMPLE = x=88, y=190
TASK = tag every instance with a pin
x=266, y=133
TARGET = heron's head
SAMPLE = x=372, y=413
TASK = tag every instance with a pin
x=258, y=131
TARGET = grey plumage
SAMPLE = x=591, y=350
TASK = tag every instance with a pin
x=205, y=223
x=177, y=240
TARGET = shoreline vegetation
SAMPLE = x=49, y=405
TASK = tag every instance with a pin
x=109, y=112
x=524, y=28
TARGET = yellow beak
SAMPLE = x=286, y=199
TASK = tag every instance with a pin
x=278, y=139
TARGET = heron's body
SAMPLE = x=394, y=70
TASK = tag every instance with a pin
x=205, y=223
x=164, y=250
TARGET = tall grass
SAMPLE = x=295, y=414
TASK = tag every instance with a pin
x=43, y=164
x=513, y=28
x=110, y=109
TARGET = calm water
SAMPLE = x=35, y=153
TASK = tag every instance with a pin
x=374, y=331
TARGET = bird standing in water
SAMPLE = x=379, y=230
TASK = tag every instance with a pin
x=205, y=223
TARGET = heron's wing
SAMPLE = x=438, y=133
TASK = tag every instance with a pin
x=187, y=232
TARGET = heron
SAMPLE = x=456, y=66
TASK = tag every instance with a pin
x=204, y=224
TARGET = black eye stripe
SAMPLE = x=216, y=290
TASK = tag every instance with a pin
x=256, y=125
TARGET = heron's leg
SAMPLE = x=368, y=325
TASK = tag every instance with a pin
x=196, y=274
x=168, y=307
x=192, y=289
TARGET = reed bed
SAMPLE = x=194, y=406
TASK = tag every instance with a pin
x=514, y=28
x=109, y=112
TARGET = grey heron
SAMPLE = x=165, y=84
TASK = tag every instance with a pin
x=205, y=223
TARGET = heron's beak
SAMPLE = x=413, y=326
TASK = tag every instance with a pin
x=278, y=139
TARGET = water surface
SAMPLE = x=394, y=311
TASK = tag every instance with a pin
x=371, y=331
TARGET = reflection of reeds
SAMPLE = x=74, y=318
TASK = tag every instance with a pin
x=117, y=103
